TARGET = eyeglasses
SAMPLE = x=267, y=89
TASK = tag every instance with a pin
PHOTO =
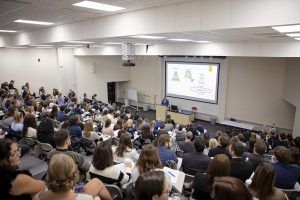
x=15, y=153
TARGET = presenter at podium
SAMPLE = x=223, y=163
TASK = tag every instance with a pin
x=165, y=102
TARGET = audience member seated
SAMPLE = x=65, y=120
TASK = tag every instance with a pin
x=62, y=141
x=108, y=129
x=191, y=127
x=272, y=138
x=239, y=167
x=131, y=129
x=262, y=185
x=14, y=183
x=187, y=146
x=103, y=168
x=281, y=141
x=159, y=133
x=180, y=134
x=124, y=149
x=88, y=132
x=63, y=176
x=287, y=175
x=146, y=134
x=230, y=188
x=168, y=117
x=168, y=126
x=152, y=186
x=164, y=149
x=222, y=148
x=29, y=127
x=148, y=161
x=45, y=131
x=257, y=156
x=118, y=125
x=295, y=156
x=74, y=128
x=196, y=161
x=17, y=124
x=212, y=143
x=8, y=117
x=203, y=182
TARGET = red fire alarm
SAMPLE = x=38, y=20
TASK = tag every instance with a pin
x=39, y=60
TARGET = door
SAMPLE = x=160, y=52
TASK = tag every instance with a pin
x=111, y=92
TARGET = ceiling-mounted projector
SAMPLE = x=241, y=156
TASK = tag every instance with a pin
x=128, y=63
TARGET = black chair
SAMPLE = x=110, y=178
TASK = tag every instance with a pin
x=114, y=191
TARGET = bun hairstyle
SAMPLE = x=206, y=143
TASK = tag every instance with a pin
x=62, y=173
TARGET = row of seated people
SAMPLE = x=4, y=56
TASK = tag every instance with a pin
x=150, y=184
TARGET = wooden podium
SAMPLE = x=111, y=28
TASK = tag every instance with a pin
x=161, y=112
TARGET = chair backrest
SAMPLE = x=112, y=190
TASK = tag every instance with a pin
x=29, y=141
x=115, y=191
x=291, y=193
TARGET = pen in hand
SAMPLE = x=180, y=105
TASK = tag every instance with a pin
x=171, y=174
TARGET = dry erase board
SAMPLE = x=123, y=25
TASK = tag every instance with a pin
x=132, y=94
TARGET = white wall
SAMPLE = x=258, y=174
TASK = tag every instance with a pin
x=291, y=90
x=108, y=69
x=254, y=91
x=22, y=66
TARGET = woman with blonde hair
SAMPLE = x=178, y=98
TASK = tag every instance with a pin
x=17, y=124
x=213, y=143
x=62, y=177
x=88, y=132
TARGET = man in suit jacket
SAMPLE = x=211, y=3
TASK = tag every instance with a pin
x=196, y=161
x=165, y=102
x=187, y=146
x=239, y=168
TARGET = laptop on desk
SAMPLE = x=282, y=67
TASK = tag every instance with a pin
x=174, y=108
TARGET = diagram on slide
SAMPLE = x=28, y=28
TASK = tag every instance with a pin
x=175, y=77
x=188, y=75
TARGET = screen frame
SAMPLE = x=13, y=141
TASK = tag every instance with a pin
x=197, y=100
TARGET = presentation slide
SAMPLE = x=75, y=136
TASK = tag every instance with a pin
x=193, y=81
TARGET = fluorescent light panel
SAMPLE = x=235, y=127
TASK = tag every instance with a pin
x=16, y=47
x=80, y=42
x=287, y=29
x=7, y=31
x=74, y=45
x=42, y=45
x=293, y=34
x=181, y=40
x=112, y=43
x=202, y=41
x=147, y=37
x=33, y=22
x=297, y=38
x=98, y=6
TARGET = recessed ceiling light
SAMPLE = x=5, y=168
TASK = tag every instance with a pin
x=33, y=22
x=141, y=44
x=202, y=41
x=297, y=38
x=98, y=6
x=181, y=40
x=112, y=43
x=42, y=45
x=7, y=31
x=97, y=46
x=287, y=29
x=147, y=37
x=293, y=34
x=80, y=42
x=16, y=47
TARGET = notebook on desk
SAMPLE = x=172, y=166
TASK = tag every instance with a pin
x=176, y=177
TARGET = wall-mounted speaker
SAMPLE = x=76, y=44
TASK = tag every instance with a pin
x=93, y=67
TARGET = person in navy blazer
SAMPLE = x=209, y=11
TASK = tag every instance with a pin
x=165, y=102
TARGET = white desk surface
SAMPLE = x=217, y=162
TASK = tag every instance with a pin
x=176, y=177
x=238, y=124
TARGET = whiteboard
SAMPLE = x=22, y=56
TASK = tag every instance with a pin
x=132, y=94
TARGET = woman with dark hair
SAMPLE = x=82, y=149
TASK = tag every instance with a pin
x=295, y=156
x=124, y=149
x=146, y=133
x=53, y=112
x=8, y=118
x=103, y=168
x=62, y=177
x=262, y=185
x=15, y=184
x=230, y=188
x=218, y=166
x=45, y=131
x=152, y=186
x=29, y=128
x=118, y=125
x=108, y=129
